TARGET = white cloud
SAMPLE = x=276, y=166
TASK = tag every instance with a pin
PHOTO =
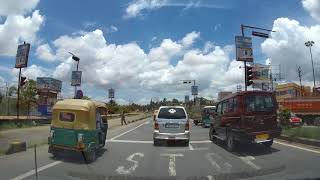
x=131, y=70
x=190, y=38
x=31, y=72
x=313, y=7
x=111, y=29
x=286, y=47
x=44, y=52
x=18, y=28
x=9, y=7
x=136, y=6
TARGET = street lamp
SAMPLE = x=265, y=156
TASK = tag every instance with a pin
x=309, y=44
x=77, y=59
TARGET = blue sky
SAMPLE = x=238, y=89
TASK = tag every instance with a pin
x=216, y=21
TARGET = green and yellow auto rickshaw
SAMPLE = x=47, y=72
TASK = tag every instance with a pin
x=78, y=126
x=207, y=114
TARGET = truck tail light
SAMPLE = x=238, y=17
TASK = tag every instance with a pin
x=156, y=125
x=187, y=126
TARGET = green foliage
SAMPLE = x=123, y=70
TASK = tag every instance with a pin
x=86, y=98
x=311, y=132
x=284, y=117
x=29, y=92
x=12, y=90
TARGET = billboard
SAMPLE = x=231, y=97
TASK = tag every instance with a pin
x=186, y=99
x=111, y=93
x=264, y=86
x=22, y=55
x=261, y=72
x=244, y=48
x=76, y=78
x=47, y=83
x=194, y=90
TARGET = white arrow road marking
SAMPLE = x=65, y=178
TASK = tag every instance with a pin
x=33, y=171
x=248, y=160
x=226, y=166
x=213, y=163
x=172, y=163
x=190, y=147
x=122, y=170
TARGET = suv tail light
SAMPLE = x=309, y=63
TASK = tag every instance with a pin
x=187, y=126
x=156, y=125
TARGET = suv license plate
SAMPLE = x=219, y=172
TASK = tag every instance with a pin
x=172, y=125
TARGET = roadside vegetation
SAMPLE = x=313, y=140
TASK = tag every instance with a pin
x=310, y=132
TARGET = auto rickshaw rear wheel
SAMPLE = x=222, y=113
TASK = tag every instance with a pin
x=90, y=156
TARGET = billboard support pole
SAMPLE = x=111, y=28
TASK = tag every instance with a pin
x=75, y=87
x=194, y=96
x=244, y=63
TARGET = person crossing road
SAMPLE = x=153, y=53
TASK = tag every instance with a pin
x=123, y=118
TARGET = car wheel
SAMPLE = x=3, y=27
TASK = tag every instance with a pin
x=268, y=143
x=231, y=143
x=155, y=142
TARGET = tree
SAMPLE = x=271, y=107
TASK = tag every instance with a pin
x=12, y=90
x=29, y=93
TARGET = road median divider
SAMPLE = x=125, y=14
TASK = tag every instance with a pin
x=16, y=146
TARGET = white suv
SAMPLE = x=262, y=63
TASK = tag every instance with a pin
x=171, y=124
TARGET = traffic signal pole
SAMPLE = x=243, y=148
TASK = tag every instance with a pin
x=18, y=94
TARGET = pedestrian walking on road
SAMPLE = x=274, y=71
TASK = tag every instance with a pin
x=123, y=118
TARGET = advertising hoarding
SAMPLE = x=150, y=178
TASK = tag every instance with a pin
x=22, y=55
x=244, y=48
x=47, y=83
x=76, y=78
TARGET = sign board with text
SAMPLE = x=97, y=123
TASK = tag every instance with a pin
x=194, y=90
x=261, y=72
x=22, y=55
x=111, y=93
x=76, y=78
x=47, y=83
x=244, y=48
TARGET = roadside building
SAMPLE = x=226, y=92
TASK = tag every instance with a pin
x=291, y=90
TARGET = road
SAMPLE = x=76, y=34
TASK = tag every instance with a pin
x=130, y=152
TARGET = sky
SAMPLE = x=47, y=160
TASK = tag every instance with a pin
x=144, y=48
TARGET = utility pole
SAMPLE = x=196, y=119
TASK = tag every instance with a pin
x=245, y=64
x=299, y=71
x=7, y=97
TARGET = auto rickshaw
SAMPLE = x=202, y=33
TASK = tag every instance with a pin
x=77, y=125
x=207, y=113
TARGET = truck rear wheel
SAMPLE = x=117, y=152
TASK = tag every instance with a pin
x=268, y=144
x=231, y=143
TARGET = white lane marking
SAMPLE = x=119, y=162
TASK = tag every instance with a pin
x=226, y=166
x=32, y=172
x=213, y=163
x=122, y=170
x=150, y=142
x=172, y=163
x=200, y=142
x=190, y=147
x=115, y=137
x=131, y=141
x=302, y=148
x=248, y=160
x=147, y=122
x=185, y=150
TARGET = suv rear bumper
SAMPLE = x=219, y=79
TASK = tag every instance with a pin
x=171, y=136
x=245, y=137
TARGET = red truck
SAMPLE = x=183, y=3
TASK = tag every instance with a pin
x=307, y=108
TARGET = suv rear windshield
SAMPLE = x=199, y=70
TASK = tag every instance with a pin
x=259, y=103
x=172, y=113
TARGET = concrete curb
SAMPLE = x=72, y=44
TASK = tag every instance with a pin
x=16, y=146
x=311, y=142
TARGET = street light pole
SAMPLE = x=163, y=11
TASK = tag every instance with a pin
x=77, y=59
x=309, y=44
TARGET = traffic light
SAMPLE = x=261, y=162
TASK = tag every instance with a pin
x=23, y=81
x=249, y=73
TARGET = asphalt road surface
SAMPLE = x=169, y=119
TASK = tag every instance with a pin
x=130, y=153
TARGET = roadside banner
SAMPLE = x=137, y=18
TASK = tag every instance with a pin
x=262, y=85
x=244, y=48
x=76, y=78
x=22, y=55
x=261, y=72
x=48, y=83
x=194, y=90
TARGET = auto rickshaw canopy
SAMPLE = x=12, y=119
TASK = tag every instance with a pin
x=74, y=114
